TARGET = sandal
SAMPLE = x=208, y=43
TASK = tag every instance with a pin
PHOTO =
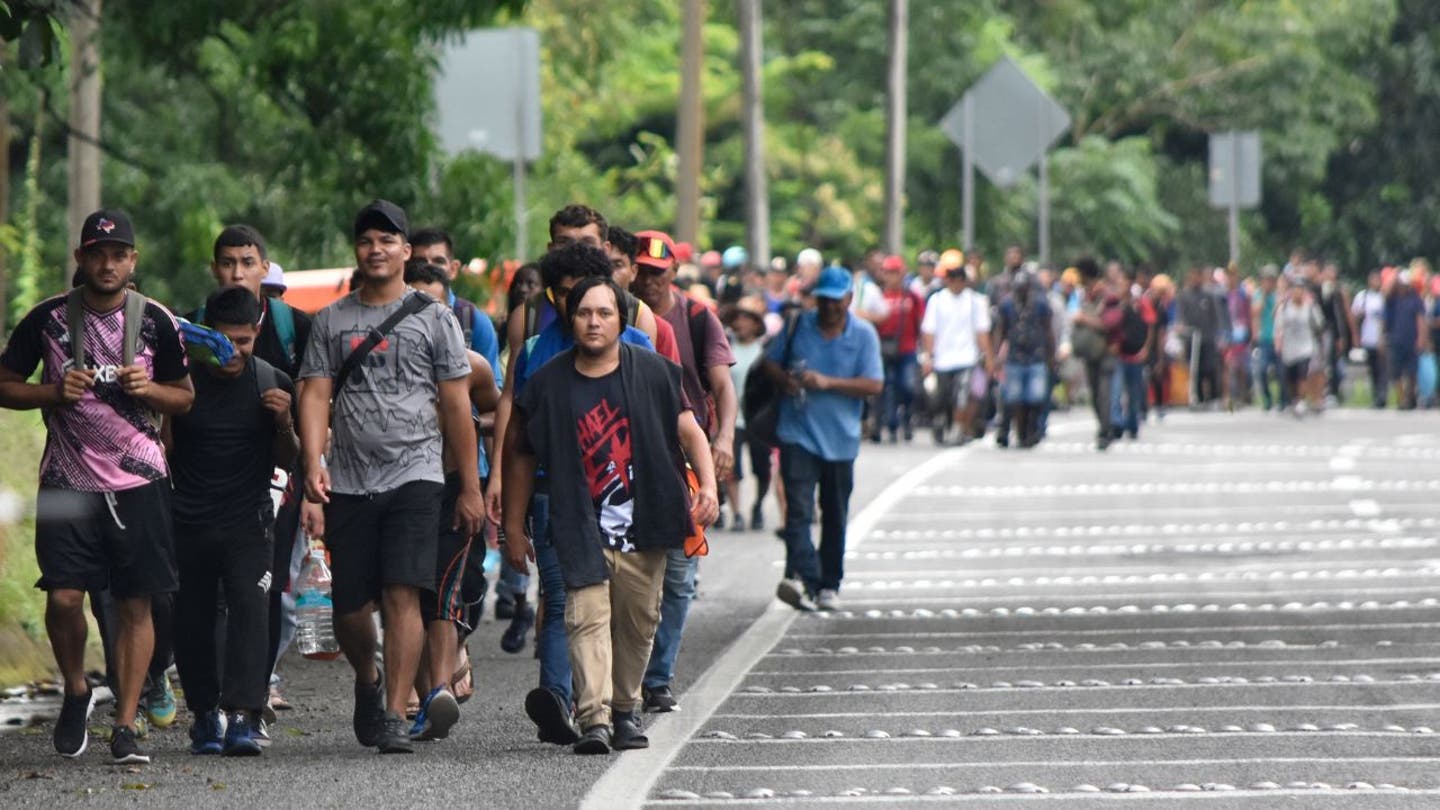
x=462, y=686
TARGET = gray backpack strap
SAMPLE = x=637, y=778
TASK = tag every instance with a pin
x=134, y=314
x=265, y=376
x=75, y=318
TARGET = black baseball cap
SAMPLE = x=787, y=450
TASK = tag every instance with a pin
x=384, y=216
x=107, y=225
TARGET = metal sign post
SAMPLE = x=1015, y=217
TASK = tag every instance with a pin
x=487, y=93
x=1003, y=124
x=1234, y=179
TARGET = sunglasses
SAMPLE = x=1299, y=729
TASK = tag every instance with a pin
x=655, y=248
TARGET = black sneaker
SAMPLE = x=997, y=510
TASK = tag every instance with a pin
x=595, y=740
x=659, y=699
x=629, y=734
x=123, y=748
x=72, y=736
x=240, y=736
x=513, y=640
x=505, y=608
x=369, y=718
x=395, y=736
x=757, y=520
x=551, y=716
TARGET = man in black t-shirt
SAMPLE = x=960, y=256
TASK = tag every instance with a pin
x=240, y=258
x=222, y=455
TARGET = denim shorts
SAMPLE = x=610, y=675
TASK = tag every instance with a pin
x=1026, y=383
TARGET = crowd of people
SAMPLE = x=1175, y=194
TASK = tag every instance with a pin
x=593, y=437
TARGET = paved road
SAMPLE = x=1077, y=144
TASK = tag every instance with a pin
x=1237, y=610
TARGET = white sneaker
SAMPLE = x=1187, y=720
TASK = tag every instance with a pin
x=792, y=592
x=828, y=599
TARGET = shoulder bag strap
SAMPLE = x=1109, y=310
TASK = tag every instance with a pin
x=75, y=319
x=412, y=305
x=134, y=314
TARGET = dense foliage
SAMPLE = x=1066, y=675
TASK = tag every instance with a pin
x=290, y=114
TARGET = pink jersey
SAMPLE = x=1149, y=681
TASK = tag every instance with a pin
x=108, y=441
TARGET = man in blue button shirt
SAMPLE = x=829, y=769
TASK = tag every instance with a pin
x=833, y=365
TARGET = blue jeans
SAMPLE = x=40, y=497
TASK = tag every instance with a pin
x=551, y=638
x=1026, y=383
x=899, y=390
x=1268, y=366
x=802, y=471
x=676, y=596
x=1127, y=396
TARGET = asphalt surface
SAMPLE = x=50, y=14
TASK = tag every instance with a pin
x=1238, y=611
x=490, y=760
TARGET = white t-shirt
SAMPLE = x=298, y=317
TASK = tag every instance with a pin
x=955, y=321
x=746, y=355
x=868, y=299
x=1369, y=307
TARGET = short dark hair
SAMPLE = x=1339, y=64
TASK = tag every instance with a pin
x=576, y=215
x=576, y=260
x=1089, y=270
x=232, y=306
x=423, y=272
x=585, y=285
x=425, y=237
x=624, y=241
x=240, y=236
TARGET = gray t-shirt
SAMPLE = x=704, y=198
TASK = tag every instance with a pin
x=385, y=428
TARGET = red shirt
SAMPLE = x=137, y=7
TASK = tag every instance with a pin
x=665, y=344
x=906, y=311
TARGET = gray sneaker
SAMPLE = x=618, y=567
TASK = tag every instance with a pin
x=827, y=599
x=792, y=592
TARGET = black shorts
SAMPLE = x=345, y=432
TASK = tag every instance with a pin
x=759, y=455
x=459, y=577
x=388, y=538
x=91, y=541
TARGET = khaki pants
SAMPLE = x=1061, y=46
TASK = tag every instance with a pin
x=611, y=627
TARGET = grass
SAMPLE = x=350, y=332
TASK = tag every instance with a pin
x=24, y=654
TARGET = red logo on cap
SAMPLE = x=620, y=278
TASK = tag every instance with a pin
x=105, y=225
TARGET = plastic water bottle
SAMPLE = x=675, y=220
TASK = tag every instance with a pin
x=314, y=612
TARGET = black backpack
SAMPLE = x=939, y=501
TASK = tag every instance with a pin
x=1134, y=332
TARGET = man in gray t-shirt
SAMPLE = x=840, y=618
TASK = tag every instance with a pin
x=386, y=428
x=383, y=486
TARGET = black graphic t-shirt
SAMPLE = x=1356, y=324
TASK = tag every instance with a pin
x=602, y=430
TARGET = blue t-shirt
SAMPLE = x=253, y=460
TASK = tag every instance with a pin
x=552, y=340
x=484, y=342
x=827, y=423
x=1401, y=312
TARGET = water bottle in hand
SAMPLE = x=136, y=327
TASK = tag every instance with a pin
x=314, y=612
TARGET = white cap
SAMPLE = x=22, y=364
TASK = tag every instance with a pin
x=809, y=257
x=275, y=277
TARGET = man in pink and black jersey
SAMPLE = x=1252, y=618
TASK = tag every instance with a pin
x=103, y=513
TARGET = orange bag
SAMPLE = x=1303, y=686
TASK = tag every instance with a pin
x=695, y=545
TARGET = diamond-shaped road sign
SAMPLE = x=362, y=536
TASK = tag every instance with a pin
x=1235, y=156
x=1015, y=122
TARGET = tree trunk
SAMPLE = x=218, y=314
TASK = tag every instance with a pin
x=895, y=127
x=4, y=199
x=690, y=126
x=757, y=192
x=84, y=143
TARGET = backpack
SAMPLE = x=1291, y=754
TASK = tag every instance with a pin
x=284, y=325
x=760, y=401
x=465, y=313
x=75, y=319
x=695, y=321
x=1134, y=332
x=534, y=303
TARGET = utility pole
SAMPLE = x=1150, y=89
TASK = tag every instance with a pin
x=895, y=112
x=757, y=192
x=690, y=127
x=83, y=157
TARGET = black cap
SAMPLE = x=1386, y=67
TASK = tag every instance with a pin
x=107, y=225
x=382, y=215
